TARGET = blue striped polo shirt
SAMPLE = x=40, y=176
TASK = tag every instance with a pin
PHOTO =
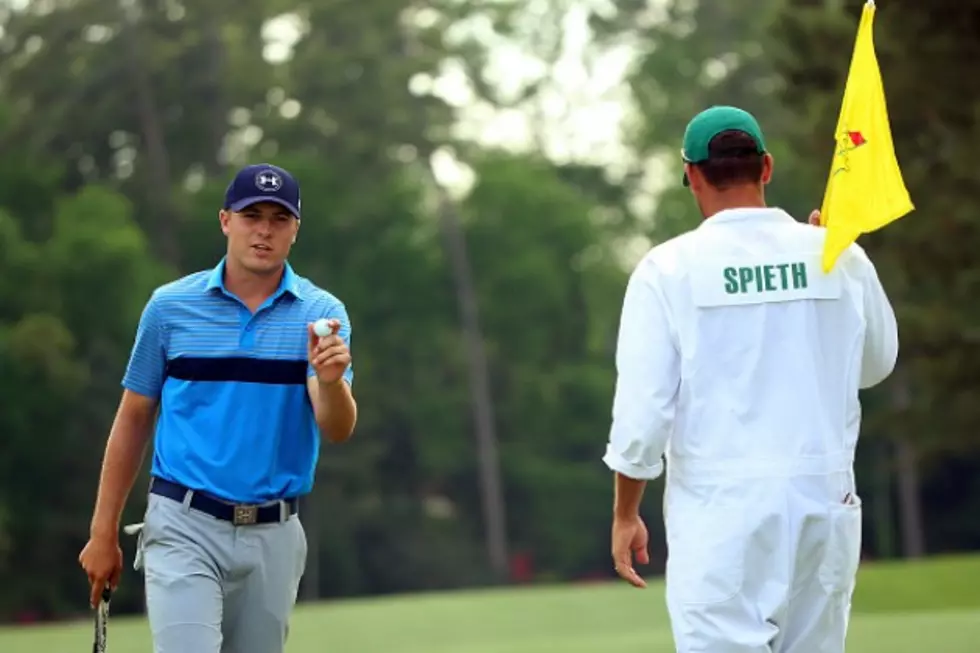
x=235, y=417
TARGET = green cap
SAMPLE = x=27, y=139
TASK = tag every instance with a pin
x=713, y=121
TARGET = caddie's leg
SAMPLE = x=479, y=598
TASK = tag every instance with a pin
x=818, y=623
x=714, y=604
x=728, y=565
x=729, y=626
x=182, y=578
x=818, y=618
x=260, y=595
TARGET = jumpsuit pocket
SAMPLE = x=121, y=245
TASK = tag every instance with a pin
x=842, y=555
x=706, y=559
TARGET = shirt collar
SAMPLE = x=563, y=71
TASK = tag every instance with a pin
x=289, y=282
x=768, y=214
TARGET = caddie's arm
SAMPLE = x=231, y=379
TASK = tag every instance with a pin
x=648, y=377
x=133, y=423
x=881, y=336
x=330, y=377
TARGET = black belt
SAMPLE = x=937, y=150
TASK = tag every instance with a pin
x=237, y=513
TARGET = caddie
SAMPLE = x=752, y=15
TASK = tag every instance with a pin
x=245, y=389
x=739, y=365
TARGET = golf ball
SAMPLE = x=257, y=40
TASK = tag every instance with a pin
x=321, y=327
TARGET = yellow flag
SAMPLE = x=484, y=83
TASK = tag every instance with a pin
x=865, y=190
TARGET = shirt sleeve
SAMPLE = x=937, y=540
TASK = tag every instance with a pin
x=881, y=332
x=148, y=358
x=337, y=311
x=648, y=377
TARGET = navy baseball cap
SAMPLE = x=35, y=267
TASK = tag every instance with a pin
x=263, y=182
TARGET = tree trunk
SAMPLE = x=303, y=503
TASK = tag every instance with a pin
x=907, y=467
x=882, y=516
x=164, y=226
x=909, y=502
x=214, y=97
x=481, y=400
x=491, y=487
x=310, y=587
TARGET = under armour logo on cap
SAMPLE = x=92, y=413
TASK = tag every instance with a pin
x=263, y=182
x=268, y=181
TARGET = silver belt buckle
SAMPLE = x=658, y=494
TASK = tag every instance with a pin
x=245, y=515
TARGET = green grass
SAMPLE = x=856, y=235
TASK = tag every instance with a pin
x=899, y=608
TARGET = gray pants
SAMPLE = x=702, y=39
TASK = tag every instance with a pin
x=213, y=587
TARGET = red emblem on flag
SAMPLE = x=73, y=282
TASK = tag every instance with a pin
x=857, y=138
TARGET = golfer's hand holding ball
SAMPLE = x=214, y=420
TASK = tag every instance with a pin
x=327, y=352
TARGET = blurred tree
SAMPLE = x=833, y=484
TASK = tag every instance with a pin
x=549, y=281
x=926, y=260
x=151, y=94
x=694, y=55
x=368, y=120
x=70, y=302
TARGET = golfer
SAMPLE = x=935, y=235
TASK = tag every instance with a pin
x=244, y=390
x=740, y=362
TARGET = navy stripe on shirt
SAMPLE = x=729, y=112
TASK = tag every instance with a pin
x=248, y=370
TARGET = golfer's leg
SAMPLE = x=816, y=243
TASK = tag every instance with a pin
x=258, y=603
x=183, y=590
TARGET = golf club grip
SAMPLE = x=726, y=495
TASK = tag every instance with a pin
x=101, y=622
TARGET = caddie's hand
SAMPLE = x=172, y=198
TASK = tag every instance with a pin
x=814, y=218
x=328, y=355
x=629, y=536
x=102, y=560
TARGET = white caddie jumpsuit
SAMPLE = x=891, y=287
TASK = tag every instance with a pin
x=740, y=361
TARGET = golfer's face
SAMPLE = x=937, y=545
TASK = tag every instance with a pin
x=260, y=236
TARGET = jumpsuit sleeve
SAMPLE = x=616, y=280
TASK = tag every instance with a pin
x=881, y=336
x=648, y=376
